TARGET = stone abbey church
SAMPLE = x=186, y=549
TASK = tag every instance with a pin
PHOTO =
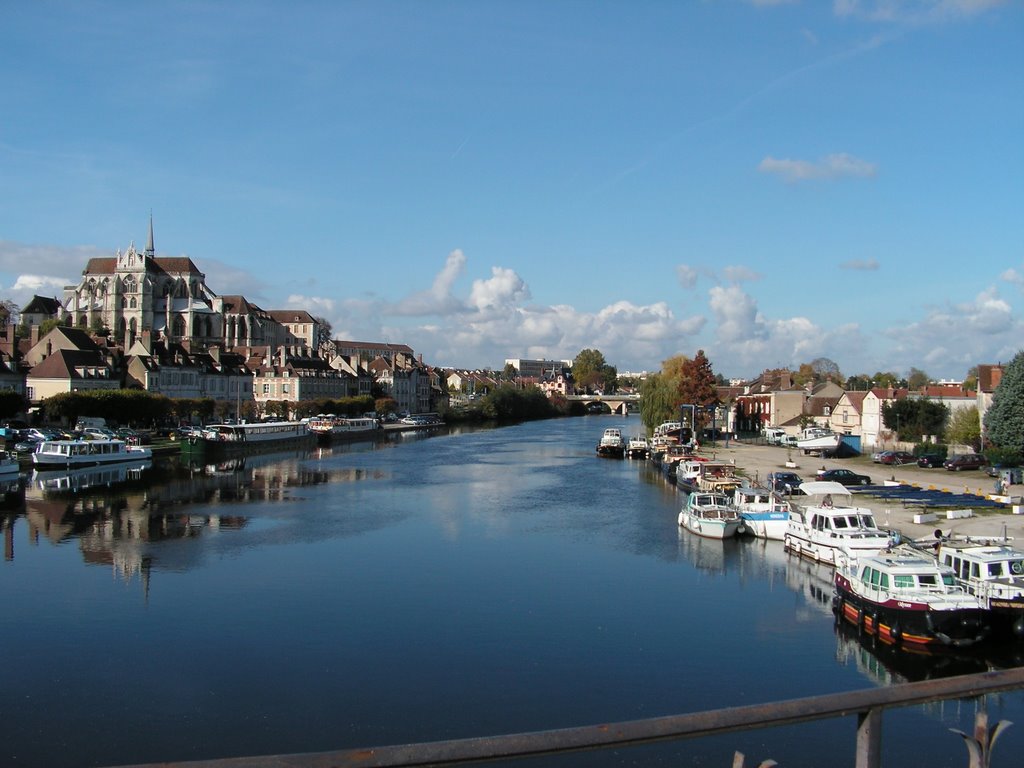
x=139, y=296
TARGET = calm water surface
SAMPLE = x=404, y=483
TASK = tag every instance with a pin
x=419, y=589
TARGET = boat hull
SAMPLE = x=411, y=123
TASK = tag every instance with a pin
x=767, y=525
x=917, y=625
x=710, y=528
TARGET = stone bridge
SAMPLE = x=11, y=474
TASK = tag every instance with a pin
x=617, y=403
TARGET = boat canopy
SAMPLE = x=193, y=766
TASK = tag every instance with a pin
x=821, y=487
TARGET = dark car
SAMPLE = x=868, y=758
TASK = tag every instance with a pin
x=784, y=482
x=965, y=461
x=844, y=477
x=898, y=457
x=930, y=460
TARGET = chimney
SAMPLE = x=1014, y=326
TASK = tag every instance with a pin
x=33, y=335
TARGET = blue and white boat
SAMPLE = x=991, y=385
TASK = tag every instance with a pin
x=765, y=514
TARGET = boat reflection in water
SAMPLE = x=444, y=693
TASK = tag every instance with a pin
x=83, y=478
x=120, y=514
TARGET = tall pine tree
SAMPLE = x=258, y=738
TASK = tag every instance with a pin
x=1004, y=419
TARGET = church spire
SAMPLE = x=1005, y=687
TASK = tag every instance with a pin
x=150, y=250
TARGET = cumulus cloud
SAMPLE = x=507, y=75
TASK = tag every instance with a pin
x=833, y=166
x=1013, y=277
x=315, y=305
x=439, y=298
x=36, y=283
x=864, y=265
x=504, y=289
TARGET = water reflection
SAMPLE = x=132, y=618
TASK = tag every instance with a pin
x=115, y=511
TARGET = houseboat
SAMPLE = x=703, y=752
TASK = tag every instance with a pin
x=84, y=453
x=224, y=439
x=330, y=427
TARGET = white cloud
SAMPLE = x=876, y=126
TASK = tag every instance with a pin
x=35, y=283
x=833, y=166
x=315, y=305
x=504, y=289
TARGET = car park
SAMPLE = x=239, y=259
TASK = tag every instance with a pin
x=965, y=461
x=930, y=460
x=844, y=477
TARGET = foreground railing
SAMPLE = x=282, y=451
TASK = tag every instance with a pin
x=867, y=706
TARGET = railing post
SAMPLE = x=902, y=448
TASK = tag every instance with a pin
x=869, y=738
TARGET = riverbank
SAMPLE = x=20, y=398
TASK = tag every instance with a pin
x=756, y=461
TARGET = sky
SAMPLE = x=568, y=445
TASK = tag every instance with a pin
x=769, y=181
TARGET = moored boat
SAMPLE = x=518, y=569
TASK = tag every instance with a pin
x=906, y=597
x=330, y=427
x=828, y=523
x=710, y=515
x=83, y=453
x=994, y=573
x=638, y=447
x=242, y=438
x=818, y=440
x=612, y=444
x=765, y=514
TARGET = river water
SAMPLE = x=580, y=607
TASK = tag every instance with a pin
x=422, y=588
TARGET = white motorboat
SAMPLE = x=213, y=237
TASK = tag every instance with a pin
x=711, y=515
x=993, y=572
x=83, y=453
x=638, y=447
x=332, y=427
x=818, y=440
x=766, y=514
x=612, y=444
x=829, y=524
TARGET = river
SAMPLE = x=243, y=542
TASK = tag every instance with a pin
x=422, y=588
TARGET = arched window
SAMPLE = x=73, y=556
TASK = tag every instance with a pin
x=180, y=292
x=83, y=321
x=178, y=327
x=133, y=304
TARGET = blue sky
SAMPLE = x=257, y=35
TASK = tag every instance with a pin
x=769, y=181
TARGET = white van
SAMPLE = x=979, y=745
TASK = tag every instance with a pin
x=774, y=435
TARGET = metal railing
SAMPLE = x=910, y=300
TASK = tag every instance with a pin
x=867, y=705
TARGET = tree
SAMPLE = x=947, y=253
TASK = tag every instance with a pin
x=913, y=418
x=509, y=372
x=12, y=403
x=1004, y=419
x=825, y=369
x=323, y=336
x=658, y=397
x=918, y=379
x=971, y=379
x=964, y=427
x=591, y=371
x=858, y=383
x=697, y=387
x=886, y=379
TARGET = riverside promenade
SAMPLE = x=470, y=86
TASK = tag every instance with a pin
x=756, y=461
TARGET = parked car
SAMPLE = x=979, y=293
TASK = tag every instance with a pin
x=876, y=457
x=898, y=457
x=784, y=482
x=996, y=470
x=930, y=460
x=844, y=477
x=965, y=461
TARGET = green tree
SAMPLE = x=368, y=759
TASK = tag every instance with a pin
x=509, y=372
x=964, y=427
x=913, y=418
x=1004, y=419
x=918, y=379
x=658, y=400
x=886, y=379
x=858, y=383
x=971, y=379
x=591, y=371
x=826, y=370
